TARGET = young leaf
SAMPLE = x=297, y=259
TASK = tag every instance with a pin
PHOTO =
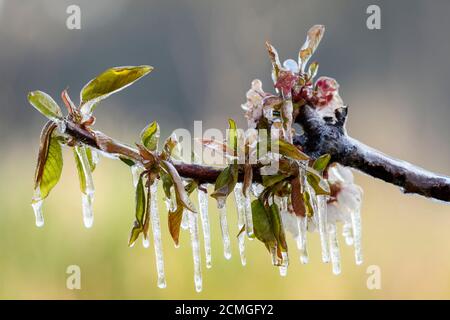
x=150, y=136
x=297, y=198
x=320, y=185
x=248, y=177
x=232, y=138
x=174, y=220
x=308, y=205
x=313, y=69
x=312, y=41
x=138, y=224
x=182, y=196
x=322, y=162
x=45, y=105
x=270, y=180
x=50, y=162
x=289, y=150
x=262, y=224
x=276, y=65
x=109, y=82
x=225, y=183
x=277, y=227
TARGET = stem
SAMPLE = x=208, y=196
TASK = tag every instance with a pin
x=319, y=137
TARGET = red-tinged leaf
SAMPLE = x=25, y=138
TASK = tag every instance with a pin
x=297, y=197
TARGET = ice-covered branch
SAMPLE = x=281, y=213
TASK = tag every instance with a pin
x=322, y=137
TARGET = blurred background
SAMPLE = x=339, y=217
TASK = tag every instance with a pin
x=205, y=54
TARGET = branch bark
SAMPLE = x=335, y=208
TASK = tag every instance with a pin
x=319, y=137
x=322, y=137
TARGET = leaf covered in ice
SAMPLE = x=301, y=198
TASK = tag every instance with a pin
x=289, y=150
x=150, y=136
x=83, y=174
x=321, y=162
x=140, y=202
x=312, y=41
x=225, y=183
x=109, y=82
x=50, y=162
x=45, y=105
x=320, y=185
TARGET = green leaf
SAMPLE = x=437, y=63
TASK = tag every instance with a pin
x=320, y=185
x=50, y=162
x=312, y=70
x=277, y=227
x=308, y=205
x=225, y=183
x=109, y=82
x=232, y=136
x=45, y=105
x=322, y=162
x=171, y=147
x=270, y=180
x=127, y=161
x=289, y=150
x=261, y=224
x=138, y=225
x=150, y=136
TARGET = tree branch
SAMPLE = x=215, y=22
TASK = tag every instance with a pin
x=322, y=137
x=319, y=137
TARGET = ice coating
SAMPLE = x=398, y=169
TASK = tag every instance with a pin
x=356, y=223
x=87, y=198
x=88, y=213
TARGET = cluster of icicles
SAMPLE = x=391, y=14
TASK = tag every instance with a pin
x=297, y=226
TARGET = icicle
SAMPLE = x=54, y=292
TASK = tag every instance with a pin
x=284, y=266
x=240, y=208
x=185, y=220
x=225, y=234
x=347, y=233
x=356, y=223
x=37, y=208
x=193, y=229
x=249, y=217
x=203, y=208
x=257, y=189
x=334, y=248
x=156, y=228
x=87, y=198
x=322, y=217
x=301, y=239
x=88, y=215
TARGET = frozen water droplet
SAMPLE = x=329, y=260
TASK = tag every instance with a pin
x=225, y=234
x=156, y=228
x=301, y=239
x=195, y=243
x=88, y=215
x=145, y=242
x=61, y=126
x=334, y=248
x=203, y=209
x=291, y=65
x=322, y=217
x=37, y=208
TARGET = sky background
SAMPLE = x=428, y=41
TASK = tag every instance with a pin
x=206, y=53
